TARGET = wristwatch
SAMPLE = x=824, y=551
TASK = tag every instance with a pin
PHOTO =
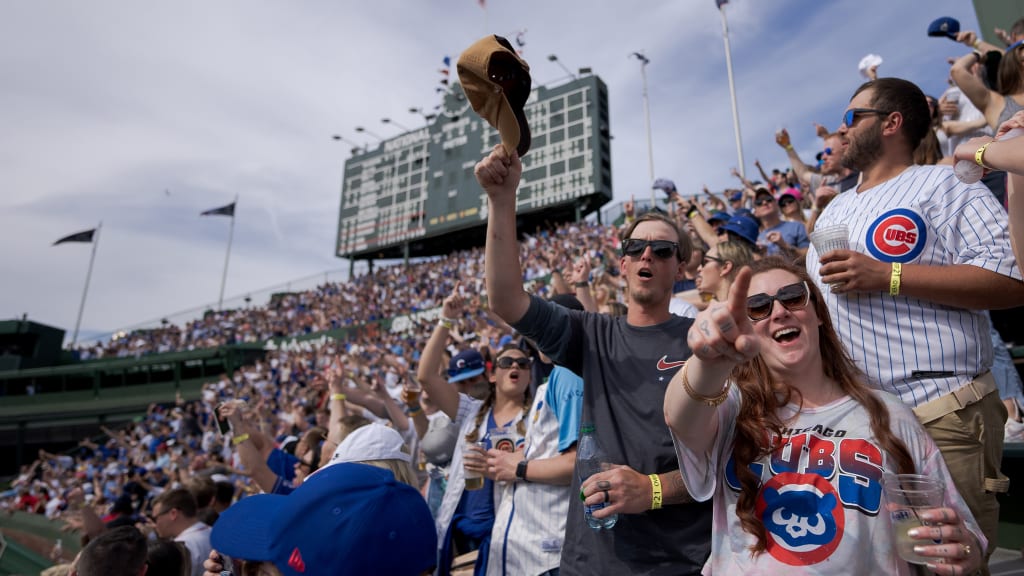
x=521, y=470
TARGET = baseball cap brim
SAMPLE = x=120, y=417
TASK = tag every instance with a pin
x=246, y=529
x=466, y=375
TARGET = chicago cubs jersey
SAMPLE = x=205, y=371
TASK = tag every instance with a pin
x=916, y=349
x=529, y=520
x=821, y=499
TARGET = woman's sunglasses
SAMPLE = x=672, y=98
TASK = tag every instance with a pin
x=663, y=249
x=506, y=362
x=793, y=297
x=707, y=259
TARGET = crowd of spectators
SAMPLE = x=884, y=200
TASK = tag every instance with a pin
x=118, y=477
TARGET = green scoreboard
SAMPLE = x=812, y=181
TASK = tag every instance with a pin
x=414, y=190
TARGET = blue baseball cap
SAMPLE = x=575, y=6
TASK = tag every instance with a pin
x=718, y=216
x=944, y=26
x=736, y=196
x=743, y=227
x=346, y=519
x=465, y=365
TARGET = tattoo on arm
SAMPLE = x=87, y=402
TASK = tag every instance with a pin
x=676, y=492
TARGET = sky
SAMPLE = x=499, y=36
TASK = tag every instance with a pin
x=140, y=115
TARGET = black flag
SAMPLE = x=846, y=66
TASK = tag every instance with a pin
x=77, y=237
x=228, y=210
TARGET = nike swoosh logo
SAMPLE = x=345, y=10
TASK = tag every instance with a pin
x=665, y=364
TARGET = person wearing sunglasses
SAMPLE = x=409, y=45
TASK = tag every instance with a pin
x=720, y=266
x=830, y=179
x=773, y=422
x=919, y=264
x=778, y=236
x=483, y=515
x=625, y=363
x=790, y=204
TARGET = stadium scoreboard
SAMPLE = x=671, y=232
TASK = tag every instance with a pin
x=420, y=185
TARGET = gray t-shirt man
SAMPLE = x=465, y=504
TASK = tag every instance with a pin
x=625, y=369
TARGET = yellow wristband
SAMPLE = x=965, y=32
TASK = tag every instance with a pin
x=788, y=147
x=977, y=43
x=979, y=156
x=445, y=323
x=655, y=491
x=894, y=280
x=239, y=439
x=338, y=396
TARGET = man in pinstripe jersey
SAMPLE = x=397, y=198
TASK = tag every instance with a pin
x=928, y=254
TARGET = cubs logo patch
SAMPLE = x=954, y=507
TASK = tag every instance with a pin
x=802, y=516
x=897, y=236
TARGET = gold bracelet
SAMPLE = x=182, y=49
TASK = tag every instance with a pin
x=656, y=497
x=338, y=396
x=979, y=156
x=711, y=401
x=239, y=439
x=894, y=279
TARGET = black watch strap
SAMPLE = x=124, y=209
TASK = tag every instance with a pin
x=521, y=470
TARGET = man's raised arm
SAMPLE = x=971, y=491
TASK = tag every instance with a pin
x=499, y=174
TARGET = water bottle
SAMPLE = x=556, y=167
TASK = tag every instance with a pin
x=590, y=460
x=969, y=172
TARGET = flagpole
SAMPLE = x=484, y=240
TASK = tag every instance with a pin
x=227, y=257
x=732, y=91
x=85, y=291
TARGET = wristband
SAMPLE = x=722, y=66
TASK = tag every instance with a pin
x=239, y=439
x=445, y=323
x=711, y=401
x=581, y=284
x=977, y=43
x=414, y=410
x=979, y=156
x=894, y=280
x=656, y=497
x=338, y=396
x=521, y=470
x=788, y=147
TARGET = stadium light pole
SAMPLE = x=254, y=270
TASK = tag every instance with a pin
x=363, y=130
x=356, y=148
x=644, y=61
x=428, y=118
x=393, y=123
x=732, y=89
x=554, y=58
x=88, y=277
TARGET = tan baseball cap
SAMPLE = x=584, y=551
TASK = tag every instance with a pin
x=497, y=82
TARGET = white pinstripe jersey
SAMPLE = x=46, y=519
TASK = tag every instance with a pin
x=916, y=349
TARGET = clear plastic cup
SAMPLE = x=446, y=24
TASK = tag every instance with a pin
x=906, y=496
x=831, y=238
x=474, y=480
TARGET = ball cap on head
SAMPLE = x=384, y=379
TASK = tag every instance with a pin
x=370, y=442
x=497, y=82
x=346, y=519
x=465, y=365
x=945, y=26
x=743, y=227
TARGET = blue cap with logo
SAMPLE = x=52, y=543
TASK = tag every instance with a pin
x=944, y=26
x=346, y=519
x=465, y=365
x=743, y=227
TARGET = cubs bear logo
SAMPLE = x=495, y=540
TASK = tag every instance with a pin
x=802, y=516
x=897, y=236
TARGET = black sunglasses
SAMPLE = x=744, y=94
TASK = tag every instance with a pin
x=663, y=249
x=764, y=201
x=506, y=362
x=704, y=262
x=787, y=200
x=792, y=297
x=850, y=115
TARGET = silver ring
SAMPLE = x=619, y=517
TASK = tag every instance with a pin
x=607, y=498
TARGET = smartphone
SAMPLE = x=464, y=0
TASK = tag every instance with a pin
x=222, y=423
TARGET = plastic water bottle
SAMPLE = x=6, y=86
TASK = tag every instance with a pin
x=590, y=460
x=969, y=172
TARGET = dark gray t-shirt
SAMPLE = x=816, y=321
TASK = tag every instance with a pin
x=625, y=370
